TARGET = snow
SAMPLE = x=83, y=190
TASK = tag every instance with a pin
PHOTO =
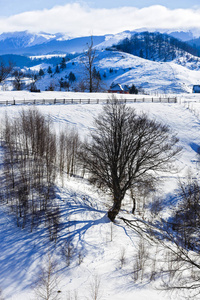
x=46, y=56
x=113, y=39
x=83, y=208
x=153, y=77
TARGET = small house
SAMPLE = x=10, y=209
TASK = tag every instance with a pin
x=117, y=88
x=196, y=89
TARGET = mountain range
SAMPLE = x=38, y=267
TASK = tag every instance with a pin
x=27, y=43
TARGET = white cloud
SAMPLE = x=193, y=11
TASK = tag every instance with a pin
x=79, y=20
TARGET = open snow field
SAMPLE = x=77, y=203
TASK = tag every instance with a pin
x=98, y=243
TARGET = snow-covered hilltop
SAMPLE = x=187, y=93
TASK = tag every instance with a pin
x=126, y=69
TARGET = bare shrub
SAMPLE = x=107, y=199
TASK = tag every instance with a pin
x=53, y=219
x=69, y=144
x=72, y=295
x=68, y=251
x=140, y=261
x=80, y=257
x=46, y=286
x=96, y=292
x=122, y=257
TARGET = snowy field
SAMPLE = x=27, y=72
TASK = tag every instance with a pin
x=99, y=243
x=25, y=95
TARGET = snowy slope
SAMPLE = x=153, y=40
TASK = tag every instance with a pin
x=153, y=77
x=97, y=242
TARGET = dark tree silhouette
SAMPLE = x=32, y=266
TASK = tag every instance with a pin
x=92, y=78
x=5, y=71
x=125, y=151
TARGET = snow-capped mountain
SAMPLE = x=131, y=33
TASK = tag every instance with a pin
x=26, y=43
x=23, y=39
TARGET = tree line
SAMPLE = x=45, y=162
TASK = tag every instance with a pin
x=33, y=156
x=155, y=46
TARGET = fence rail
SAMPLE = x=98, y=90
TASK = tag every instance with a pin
x=85, y=101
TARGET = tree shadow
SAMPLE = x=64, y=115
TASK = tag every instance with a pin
x=22, y=251
x=195, y=147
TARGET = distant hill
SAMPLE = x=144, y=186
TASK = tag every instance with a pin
x=195, y=43
x=154, y=46
x=182, y=35
x=25, y=43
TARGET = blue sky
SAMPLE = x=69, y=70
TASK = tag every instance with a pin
x=10, y=7
x=79, y=18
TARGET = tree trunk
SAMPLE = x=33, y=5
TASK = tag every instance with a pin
x=113, y=212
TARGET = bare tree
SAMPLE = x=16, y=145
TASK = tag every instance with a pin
x=18, y=80
x=46, y=287
x=69, y=143
x=30, y=169
x=5, y=71
x=92, y=79
x=88, y=63
x=125, y=151
x=95, y=288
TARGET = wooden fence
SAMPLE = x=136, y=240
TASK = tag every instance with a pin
x=85, y=101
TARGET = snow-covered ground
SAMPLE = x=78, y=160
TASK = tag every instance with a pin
x=177, y=76
x=98, y=243
x=153, y=77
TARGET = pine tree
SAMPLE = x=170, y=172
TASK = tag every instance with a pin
x=49, y=70
x=63, y=64
x=41, y=72
x=57, y=70
x=72, y=77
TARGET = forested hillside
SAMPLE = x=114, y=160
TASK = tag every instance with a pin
x=155, y=46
